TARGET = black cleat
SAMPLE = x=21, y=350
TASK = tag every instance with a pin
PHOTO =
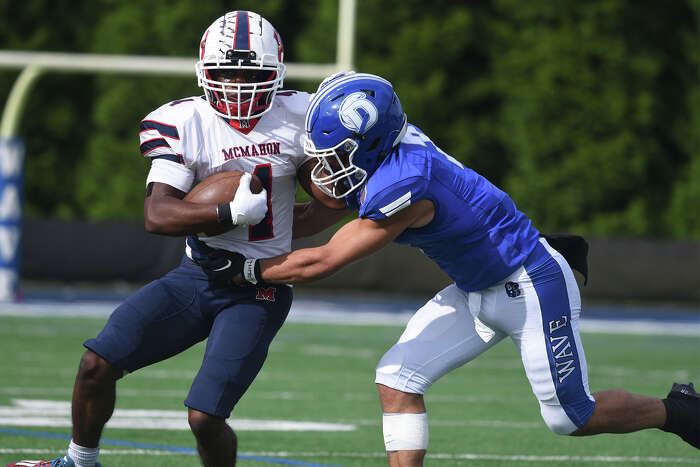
x=679, y=391
x=683, y=413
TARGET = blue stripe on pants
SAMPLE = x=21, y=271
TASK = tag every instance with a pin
x=551, y=288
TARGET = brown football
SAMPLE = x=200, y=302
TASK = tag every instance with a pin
x=220, y=188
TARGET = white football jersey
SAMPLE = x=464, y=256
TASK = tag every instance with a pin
x=188, y=142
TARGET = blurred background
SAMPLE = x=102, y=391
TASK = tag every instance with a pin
x=586, y=113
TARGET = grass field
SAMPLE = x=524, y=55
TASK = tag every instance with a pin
x=483, y=414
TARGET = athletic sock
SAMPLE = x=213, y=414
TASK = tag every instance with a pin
x=83, y=457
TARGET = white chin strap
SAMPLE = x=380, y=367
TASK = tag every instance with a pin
x=405, y=431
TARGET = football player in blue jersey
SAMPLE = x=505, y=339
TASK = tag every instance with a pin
x=509, y=280
x=241, y=123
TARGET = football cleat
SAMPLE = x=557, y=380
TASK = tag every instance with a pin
x=58, y=462
x=680, y=391
x=683, y=413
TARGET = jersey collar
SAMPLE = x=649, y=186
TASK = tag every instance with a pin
x=244, y=126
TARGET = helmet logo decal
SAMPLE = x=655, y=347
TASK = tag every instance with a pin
x=357, y=113
x=241, y=40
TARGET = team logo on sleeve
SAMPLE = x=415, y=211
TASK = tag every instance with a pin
x=357, y=113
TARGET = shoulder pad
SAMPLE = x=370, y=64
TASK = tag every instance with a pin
x=161, y=131
x=401, y=179
x=386, y=199
x=295, y=102
x=176, y=112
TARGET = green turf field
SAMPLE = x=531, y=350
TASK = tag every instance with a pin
x=483, y=414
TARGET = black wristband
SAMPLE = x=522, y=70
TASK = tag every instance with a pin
x=223, y=214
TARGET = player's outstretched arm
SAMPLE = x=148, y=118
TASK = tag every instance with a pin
x=355, y=240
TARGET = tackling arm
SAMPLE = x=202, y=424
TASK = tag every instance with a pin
x=353, y=241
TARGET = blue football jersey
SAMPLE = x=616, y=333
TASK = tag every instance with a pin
x=478, y=236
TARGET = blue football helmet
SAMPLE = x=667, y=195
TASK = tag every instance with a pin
x=353, y=122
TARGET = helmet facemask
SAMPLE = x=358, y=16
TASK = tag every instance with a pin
x=334, y=172
x=240, y=89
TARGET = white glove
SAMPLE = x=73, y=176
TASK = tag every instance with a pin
x=248, y=208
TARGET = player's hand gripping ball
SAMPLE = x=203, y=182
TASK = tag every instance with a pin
x=222, y=188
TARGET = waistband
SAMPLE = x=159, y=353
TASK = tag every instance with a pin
x=539, y=255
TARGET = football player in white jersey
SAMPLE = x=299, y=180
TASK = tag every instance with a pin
x=242, y=123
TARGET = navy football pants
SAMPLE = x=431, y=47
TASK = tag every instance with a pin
x=182, y=308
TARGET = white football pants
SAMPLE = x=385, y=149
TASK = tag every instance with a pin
x=538, y=306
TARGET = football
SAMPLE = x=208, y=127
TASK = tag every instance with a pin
x=220, y=188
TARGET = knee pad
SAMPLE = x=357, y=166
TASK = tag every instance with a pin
x=557, y=420
x=405, y=431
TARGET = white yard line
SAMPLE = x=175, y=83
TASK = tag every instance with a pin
x=520, y=458
x=639, y=327
x=46, y=413
x=495, y=457
x=319, y=311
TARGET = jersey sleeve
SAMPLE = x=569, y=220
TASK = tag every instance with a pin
x=400, y=180
x=392, y=198
x=160, y=138
x=170, y=173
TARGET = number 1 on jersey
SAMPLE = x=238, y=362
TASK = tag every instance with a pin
x=263, y=230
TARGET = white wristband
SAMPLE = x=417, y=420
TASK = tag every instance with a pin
x=249, y=271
